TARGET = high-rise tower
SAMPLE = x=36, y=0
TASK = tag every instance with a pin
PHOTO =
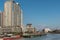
x=1, y=19
x=12, y=14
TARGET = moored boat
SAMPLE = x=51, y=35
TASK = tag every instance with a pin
x=12, y=38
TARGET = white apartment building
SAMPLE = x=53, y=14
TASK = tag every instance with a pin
x=12, y=16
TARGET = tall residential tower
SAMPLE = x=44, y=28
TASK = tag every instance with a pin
x=12, y=14
x=1, y=19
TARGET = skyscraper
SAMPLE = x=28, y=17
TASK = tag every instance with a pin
x=1, y=19
x=12, y=14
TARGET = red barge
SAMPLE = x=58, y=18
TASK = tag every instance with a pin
x=12, y=38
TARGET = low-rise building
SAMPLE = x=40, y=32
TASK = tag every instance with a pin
x=10, y=30
x=30, y=29
x=17, y=29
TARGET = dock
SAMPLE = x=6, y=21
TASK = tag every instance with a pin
x=26, y=35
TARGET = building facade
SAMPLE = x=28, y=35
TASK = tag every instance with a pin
x=30, y=29
x=12, y=16
x=1, y=19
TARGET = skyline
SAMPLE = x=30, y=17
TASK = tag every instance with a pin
x=45, y=12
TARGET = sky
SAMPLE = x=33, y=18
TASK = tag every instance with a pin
x=39, y=12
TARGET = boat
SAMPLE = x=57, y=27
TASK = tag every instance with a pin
x=12, y=37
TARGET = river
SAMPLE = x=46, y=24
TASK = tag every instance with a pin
x=46, y=37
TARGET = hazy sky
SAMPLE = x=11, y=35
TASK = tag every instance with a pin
x=39, y=12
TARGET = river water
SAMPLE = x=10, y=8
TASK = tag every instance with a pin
x=46, y=37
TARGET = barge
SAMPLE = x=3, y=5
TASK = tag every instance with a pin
x=26, y=35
